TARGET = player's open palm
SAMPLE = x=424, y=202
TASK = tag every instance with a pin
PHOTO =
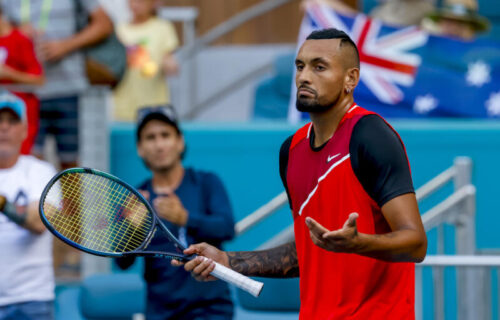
x=341, y=240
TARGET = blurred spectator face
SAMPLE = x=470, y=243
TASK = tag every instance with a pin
x=320, y=75
x=456, y=28
x=12, y=133
x=142, y=8
x=160, y=145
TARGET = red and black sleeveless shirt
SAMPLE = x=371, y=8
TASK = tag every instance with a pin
x=359, y=169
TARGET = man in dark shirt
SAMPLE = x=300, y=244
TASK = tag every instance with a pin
x=357, y=226
x=195, y=207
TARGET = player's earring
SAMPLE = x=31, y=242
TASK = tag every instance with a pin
x=348, y=90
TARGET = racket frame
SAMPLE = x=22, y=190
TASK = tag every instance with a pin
x=156, y=222
x=243, y=282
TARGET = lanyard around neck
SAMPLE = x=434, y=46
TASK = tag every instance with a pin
x=44, y=14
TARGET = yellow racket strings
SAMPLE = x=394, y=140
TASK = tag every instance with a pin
x=97, y=213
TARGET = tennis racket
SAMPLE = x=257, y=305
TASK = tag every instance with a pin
x=99, y=214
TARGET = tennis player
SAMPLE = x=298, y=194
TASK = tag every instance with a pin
x=358, y=230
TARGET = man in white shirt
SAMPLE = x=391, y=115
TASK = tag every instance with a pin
x=26, y=273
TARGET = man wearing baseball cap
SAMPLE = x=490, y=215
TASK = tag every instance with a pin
x=26, y=272
x=195, y=207
x=457, y=19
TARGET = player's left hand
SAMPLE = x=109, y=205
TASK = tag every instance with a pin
x=170, y=208
x=341, y=240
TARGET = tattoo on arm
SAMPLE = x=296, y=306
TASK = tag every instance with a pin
x=279, y=262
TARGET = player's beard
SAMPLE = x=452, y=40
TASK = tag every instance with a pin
x=314, y=106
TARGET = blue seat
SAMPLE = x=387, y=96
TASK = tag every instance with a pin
x=272, y=94
x=118, y=296
x=277, y=295
x=279, y=300
x=106, y=296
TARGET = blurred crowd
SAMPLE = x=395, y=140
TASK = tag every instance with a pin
x=455, y=18
x=52, y=50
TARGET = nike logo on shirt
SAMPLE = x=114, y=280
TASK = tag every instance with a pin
x=330, y=158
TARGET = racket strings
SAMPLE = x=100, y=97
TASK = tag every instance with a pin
x=116, y=198
x=71, y=226
x=97, y=213
x=100, y=204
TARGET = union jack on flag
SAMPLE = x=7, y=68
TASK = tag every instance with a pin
x=405, y=72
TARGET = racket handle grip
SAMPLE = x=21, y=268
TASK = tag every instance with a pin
x=243, y=282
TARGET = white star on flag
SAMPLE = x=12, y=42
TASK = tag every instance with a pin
x=493, y=104
x=478, y=74
x=425, y=104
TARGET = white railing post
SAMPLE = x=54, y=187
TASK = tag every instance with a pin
x=94, y=141
x=419, y=306
x=469, y=287
x=183, y=87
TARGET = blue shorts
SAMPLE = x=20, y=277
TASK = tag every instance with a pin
x=32, y=310
x=59, y=117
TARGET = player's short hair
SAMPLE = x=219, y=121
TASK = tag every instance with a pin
x=333, y=33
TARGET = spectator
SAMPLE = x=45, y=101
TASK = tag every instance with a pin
x=53, y=26
x=194, y=206
x=19, y=66
x=457, y=19
x=26, y=274
x=150, y=42
x=392, y=12
x=402, y=12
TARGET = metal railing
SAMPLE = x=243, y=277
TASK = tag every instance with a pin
x=478, y=302
x=187, y=78
x=94, y=151
x=458, y=210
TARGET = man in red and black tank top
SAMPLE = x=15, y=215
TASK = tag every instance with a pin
x=358, y=230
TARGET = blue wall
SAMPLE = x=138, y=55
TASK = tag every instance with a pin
x=244, y=156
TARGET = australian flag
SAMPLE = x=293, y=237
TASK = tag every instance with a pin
x=405, y=72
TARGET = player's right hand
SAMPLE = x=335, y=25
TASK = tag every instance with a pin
x=201, y=266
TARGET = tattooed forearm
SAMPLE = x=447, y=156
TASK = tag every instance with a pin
x=279, y=262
